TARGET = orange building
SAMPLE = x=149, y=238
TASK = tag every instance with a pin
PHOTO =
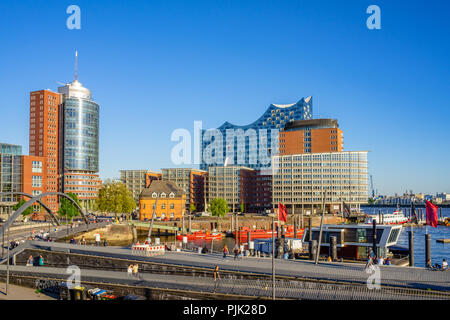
x=311, y=136
x=44, y=134
x=34, y=180
x=151, y=176
x=163, y=198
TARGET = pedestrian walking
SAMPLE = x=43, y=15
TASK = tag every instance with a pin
x=130, y=271
x=136, y=270
x=97, y=239
x=30, y=261
x=41, y=261
x=216, y=273
x=225, y=251
x=236, y=251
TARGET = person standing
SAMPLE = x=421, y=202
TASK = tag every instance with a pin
x=135, y=270
x=83, y=241
x=97, y=239
x=216, y=273
x=130, y=271
x=30, y=261
x=444, y=265
x=236, y=251
x=225, y=251
x=41, y=261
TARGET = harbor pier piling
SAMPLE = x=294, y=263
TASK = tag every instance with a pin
x=427, y=248
x=411, y=248
x=333, y=248
x=312, y=250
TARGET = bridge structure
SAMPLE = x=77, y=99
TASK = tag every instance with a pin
x=191, y=274
x=38, y=199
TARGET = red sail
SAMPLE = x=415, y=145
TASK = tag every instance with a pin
x=282, y=212
x=432, y=216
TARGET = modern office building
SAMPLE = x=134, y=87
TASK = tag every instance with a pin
x=163, y=198
x=136, y=180
x=311, y=136
x=299, y=181
x=79, y=143
x=20, y=173
x=256, y=191
x=228, y=183
x=44, y=138
x=192, y=181
x=251, y=145
x=10, y=175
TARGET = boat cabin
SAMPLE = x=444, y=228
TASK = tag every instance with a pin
x=354, y=240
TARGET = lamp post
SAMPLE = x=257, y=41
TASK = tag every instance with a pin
x=321, y=228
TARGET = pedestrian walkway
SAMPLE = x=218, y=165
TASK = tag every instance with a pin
x=21, y=293
x=418, y=278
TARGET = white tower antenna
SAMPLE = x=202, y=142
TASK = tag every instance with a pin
x=76, y=65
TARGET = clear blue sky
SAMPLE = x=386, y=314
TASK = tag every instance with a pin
x=154, y=66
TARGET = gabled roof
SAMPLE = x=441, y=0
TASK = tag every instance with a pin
x=161, y=186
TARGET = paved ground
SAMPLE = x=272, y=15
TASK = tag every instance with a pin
x=252, y=288
x=418, y=278
x=21, y=293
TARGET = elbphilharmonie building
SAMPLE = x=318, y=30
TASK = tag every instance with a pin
x=251, y=145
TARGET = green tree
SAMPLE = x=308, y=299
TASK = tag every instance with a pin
x=192, y=208
x=116, y=198
x=27, y=211
x=218, y=208
x=371, y=201
x=242, y=207
x=67, y=209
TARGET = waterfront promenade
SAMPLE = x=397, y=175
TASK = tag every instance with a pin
x=245, y=288
x=345, y=273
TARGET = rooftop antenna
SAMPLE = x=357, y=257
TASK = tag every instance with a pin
x=76, y=65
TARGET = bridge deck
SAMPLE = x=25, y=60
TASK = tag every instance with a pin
x=248, y=288
x=417, y=278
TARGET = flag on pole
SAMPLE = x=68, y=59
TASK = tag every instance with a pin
x=282, y=212
x=432, y=216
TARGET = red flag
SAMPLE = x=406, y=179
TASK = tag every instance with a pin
x=432, y=216
x=282, y=212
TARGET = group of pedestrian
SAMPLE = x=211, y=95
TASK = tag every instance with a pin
x=30, y=261
x=133, y=270
x=443, y=267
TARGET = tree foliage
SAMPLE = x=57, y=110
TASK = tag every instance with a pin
x=192, y=208
x=27, y=211
x=242, y=207
x=67, y=208
x=115, y=197
x=218, y=207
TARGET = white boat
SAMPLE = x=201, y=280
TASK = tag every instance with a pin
x=389, y=218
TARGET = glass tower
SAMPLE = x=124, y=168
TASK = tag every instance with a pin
x=80, y=137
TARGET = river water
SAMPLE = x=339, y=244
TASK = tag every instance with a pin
x=439, y=251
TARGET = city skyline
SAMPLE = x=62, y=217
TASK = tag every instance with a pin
x=392, y=105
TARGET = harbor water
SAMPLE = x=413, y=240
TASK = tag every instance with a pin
x=439, y=251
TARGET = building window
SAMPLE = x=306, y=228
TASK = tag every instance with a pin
x=36, y=166
x=37, y=181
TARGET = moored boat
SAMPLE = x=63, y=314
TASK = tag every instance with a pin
x=397, y=217
x=198, y=235
x=263, y=234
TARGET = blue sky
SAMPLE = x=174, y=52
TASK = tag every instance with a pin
x=155, y=66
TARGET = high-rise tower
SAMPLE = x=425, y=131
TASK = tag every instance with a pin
x=44, y=138
x=79, y=142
